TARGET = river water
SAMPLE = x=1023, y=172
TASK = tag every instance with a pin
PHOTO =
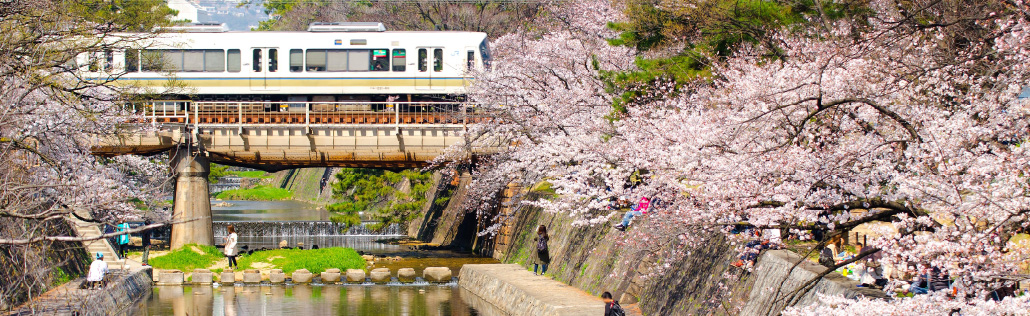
x=297, y=300
x=264, y=224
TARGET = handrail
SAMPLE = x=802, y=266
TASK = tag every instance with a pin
x=398, y=114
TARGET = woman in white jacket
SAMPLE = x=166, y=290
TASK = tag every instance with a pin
x=230, y=246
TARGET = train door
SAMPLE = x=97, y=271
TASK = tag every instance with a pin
x=264, y=63
x=430, y=66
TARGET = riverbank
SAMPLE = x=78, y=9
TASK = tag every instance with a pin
x=124, y=289
x=515, y=291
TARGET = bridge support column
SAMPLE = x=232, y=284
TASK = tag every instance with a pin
x=192, y=201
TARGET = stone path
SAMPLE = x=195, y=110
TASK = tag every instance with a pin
x=119, y=296
x=513, y=290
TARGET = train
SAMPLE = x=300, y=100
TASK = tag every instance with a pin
x=330, y=62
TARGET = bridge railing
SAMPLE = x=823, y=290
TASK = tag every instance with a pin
x=244, y=113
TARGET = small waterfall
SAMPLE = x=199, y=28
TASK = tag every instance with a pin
x=268, y=234
x=302, y=229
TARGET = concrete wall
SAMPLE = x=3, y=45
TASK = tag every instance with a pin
x=514, y=291
x=780, y=273
x=123, y=292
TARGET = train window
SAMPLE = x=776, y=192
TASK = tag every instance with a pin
x=296, y=60
x=380, y=60
x=399, y=60
x=150, y=60
x=233, y=60
x=340, y=59
x=471, y=59
x=438, y=60
x=484, y=49
x=316, y=60
x=358, y=60
x=108, y=60
x=171, y=60
x=214, y=60
x=336, y=60
x=273, y=60
x=94, y=61
x=257, y=60
x=132, y=60
x=193, y=60
x=422, y=62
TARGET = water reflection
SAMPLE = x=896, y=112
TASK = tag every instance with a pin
x=307, y=300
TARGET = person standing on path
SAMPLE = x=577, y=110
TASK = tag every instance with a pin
x=123, y=239
x=230, y=246
x=146, y=242
x=542, y=256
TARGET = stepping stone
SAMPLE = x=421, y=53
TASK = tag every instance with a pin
x=276, y=276
x=170, y=277
x=331, y=276
x=302, y=276
x=406, y=275
x=355, y=275
x=437, y=274
x=202, y=276
x=227, y=277
x=380, y=275
x=252, y=276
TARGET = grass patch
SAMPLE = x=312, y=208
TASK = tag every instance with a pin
x=251, y=174
x=186, y=259
x=315, y=260
x=258, y=193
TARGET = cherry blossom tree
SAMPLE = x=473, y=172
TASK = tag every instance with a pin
x=910, y=114
x=50, y=119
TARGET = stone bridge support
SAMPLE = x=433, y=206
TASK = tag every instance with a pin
x=192, y=201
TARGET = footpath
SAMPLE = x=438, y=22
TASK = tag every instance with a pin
x=510, y=289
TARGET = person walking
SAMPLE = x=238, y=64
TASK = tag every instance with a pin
x=146, y=242
x=230, y=246
x=542, y=256
x=123, y=239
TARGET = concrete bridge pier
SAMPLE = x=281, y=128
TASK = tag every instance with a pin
x=192, y=202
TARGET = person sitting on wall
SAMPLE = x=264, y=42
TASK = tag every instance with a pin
x=751, y=251
x=97, y=270
x=639, y=209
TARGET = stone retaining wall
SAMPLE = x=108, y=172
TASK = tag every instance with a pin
x=779, y=274
x=515, y=291
x=119, y=296
x=703, y=282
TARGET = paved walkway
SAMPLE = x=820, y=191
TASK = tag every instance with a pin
x=515, y=291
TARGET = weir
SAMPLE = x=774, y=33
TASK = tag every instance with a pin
x=268, y=234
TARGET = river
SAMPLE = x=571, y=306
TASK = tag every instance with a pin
x=296, y=300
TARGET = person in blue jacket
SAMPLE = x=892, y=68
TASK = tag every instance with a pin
x=123, y=239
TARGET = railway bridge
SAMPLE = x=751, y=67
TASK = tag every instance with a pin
x=274, y=136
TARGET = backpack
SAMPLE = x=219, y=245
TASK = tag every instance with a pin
x=616, y=310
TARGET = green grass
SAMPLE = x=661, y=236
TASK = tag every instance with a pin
x=258, y=193
x=315, y=260
x=251, y=174
x=185, y=259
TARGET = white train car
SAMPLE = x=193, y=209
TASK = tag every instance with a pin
x=329, y=62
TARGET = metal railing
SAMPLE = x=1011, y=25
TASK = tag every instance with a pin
x=310, y=114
